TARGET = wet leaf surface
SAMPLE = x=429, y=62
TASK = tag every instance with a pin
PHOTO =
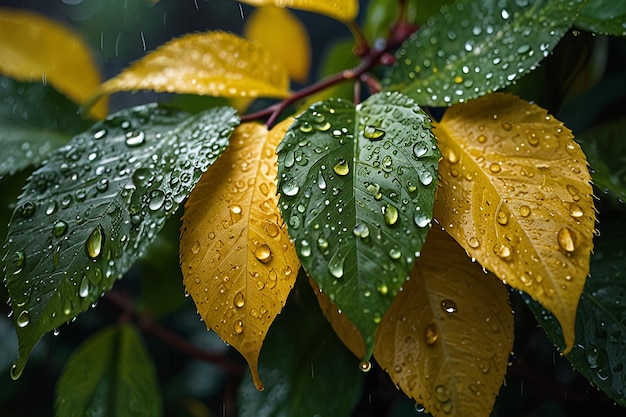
x=237, y=261
x=338, y=9
x=29, y=51
x=515, y=193
x=473, y=48
x=109, y=374
x=87, y=214
x=603, y=16
x=357, y=187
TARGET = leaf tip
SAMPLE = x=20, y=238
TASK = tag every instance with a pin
x=256, y=378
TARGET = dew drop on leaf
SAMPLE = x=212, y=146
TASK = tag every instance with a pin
x=23, y=319
x=263, y=253
x=135, y=138
x=373, y=133
x=238, y=327
x=442, y=393
x=575, y=210
x=239, y=300
x=290, y=188
x=420, y=149
x=390, y=213
x=341, y=168
x=59, y=228
x=157, y=198
x=305, y=248
x=426, y=178
x=195, y=247
x=421, y=220
x=431, y=334
x=335, y=265
x=566, y=239
x=449, y=306
x=473, y=242
x=93, y=246
x=83, y=288
x=365, y=366
x=503, y=252
x=361, y=230
x=524, y=211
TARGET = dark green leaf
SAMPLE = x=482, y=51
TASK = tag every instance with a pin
x=304, y=366
x=475, y=47
x=603, y=16
x=378, y=19
x=601, y=319
x=91, y=211
x=357, y=187
x=110, y=374
x=34, y=120
x=606, y=150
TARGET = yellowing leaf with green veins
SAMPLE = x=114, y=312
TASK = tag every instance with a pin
x=345, y=10
x=237, y=261
x=515, y=193
x=212, y=63
x=445, y=340
x=280, y=32
x=29, y=51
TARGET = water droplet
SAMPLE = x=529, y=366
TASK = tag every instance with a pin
x=305, y=248
x=239, y=300
x=59, y=228
x=420, y=219
x=306, y=127
x=420, y=149
x=507, y=126
x=524, y=211
x=390, y=213
x=16, y=371
x=321, y=181
x=263, y=253
x=365, y=366
x=83, y=288
x=566, y=239
x=361, y=230
x=473, y=242
x=482, y=139
x=100, y=134
x=19, y=259
x=373, y=133
x=135, y=138
x=335, y=265
x=157, y=198
x=503, y=252
x=235, y=213
x=426, y=178
x=495, y=168
x=23, y=319
x=290, y=188
x=394, y=253
x=431, y=334
x=442, y=393
x=449, y=306
x=341, y=168
x=51, y=208
x=322, y=243
x=383, y=289
x=575, y=210
x=93, y=246
x=195, y=247
x=271, y=229
x=27, y=209
x=238, y=327
x=502, y=217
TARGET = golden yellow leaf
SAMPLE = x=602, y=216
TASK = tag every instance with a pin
x=280, y=33
x=515, y=193
x=35, y=48
x=212, y=63
x=237, y=261
x=445, y=340
x=345, y=10
x=341, y=324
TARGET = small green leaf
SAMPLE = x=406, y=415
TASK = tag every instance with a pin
x=605, y=150
x=34, y=120
x=600, y=327
x=93, y=208
x=475, y=47
x=304, y=365
x=110, y=374
x=607, y=17
x=357, y=189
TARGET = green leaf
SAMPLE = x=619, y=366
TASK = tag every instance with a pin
x=34, y=120
x=605, y=150
x=606, y=17
x=379, y=18
x=475, y=47
x=304, y=366
x=110, y=374
x=601, y=319
x=91, y=211
x=357, y=188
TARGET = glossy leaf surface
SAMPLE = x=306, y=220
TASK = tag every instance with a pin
x=212, y=63
x=109, y=374
x=345, y=10
x=237, y=261
x=304, y=367
x=604, y=147
x=279, y=32
x=515, y=193
x=600, y=329
x=96, y=205
x=603, y=16
x=34, y=120
x=473, y=48
x=29, y=51
x=445, y=340
x=357, y=185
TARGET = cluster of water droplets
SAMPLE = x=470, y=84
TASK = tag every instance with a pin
x=473, y=49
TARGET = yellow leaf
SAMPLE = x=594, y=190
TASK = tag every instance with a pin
x=445, y=340
x=515, y=193
x=213, y=63
x=280, y=33
x=237, y=261
x=34, y=48
x=345, y=10
x=343, y=327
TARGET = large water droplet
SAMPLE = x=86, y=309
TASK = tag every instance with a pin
x=263, y=253
x=195, y=247
x=575, y=210
x=238, y=327
x=83, y=288
x=449, y=306
x=365, y=366
x=321, y=181
x=373, y=133
x=390, y=213
x=157, y=198
x=335, y=265
x=566, y=239
x=425, y=177
x=239, y=300
x=305, y=248
x=420, y=149
x=524, y=211
x=59, y=228
x=135, y=138
x=361, y=230
x=420, y=219
x=27, y=209
x=235, y=213
x=341, y=168
x=23, y=319
x=502, y=217
x=503, y=252
x=290, y=188
x=442, y=393
x=93, y=246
